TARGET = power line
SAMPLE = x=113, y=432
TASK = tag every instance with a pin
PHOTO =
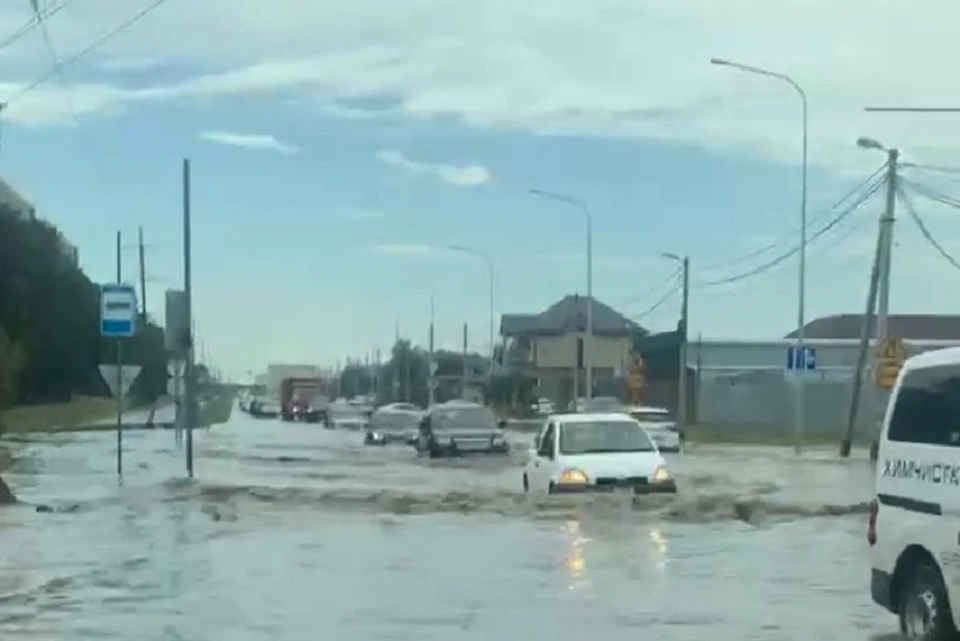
x=932, y=194
x=87, y=50
x=651, y=290
x=776, y=244
x=657, y=305
x=32, y=23
x=818, y=234
x=905, y=198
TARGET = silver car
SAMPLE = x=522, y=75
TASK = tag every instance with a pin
x=393, y=424
x=455, y=428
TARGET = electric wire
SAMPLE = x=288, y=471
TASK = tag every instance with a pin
x=659, y=303
x=109, y=35
x=653, y=290
x=932, y=194
x=924, y=230
x=823, y=215
x=32, y=23
x=843, y=215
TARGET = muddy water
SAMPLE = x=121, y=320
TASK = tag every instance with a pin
x=293, y=532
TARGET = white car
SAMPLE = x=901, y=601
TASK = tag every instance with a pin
x=602, y=452
x=659, y=424
x=542, y=406
x=914, y=523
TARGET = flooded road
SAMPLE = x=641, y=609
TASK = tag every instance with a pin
x=292, y=532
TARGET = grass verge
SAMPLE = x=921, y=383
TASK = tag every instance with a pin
x=217, y=410
x=53, y=417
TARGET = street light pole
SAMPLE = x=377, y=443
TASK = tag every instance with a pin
x=683, y=331
x=488, y=261
x=799, y=407
x=588, y=215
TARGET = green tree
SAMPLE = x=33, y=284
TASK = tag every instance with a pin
x=49, y=313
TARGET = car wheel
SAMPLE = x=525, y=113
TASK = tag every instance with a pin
x=924, y=607
x=526, y=484
x=368, y=439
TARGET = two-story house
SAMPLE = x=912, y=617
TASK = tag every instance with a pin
x=549, y=346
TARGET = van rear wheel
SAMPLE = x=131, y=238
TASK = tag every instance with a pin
x=924, y=607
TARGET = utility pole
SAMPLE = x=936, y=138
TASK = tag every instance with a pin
x=881, y=397
x=431, y=392
x=190, y=390
x=143, y=273
x=866, y=328
x=463, y=384
x=879, y=289
x=119, y=390
x=684, y=328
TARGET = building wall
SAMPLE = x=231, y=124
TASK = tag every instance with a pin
x=561, y=351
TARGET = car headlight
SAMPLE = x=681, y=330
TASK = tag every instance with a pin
x=573, y=476
x=497, y=440
x=662, y=475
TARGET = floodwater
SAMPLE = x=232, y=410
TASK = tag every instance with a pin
x=293, y=533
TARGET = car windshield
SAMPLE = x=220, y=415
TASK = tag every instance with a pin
x=454, y=418
x=603, y=436
x=651, y=416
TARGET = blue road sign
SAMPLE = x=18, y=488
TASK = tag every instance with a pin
x=118, y=311
x=805, y=359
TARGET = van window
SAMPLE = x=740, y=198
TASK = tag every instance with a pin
x=927, y=407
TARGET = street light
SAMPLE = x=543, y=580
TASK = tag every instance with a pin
x=684, y=315
x=489, y=263
x=588, y=215
x=802, y=285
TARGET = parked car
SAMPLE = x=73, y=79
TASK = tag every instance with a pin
x=542, y=407
x=461, y=427
x=394, y=423
x=659, y=424
x=915, y=517
x=578, y=453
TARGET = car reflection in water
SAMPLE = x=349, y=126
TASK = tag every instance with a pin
x=576, y=559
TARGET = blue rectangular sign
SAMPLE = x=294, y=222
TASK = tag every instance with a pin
x=118, y=311
x=805, y=359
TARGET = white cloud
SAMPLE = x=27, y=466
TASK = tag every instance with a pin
x=402, y=249
x=609, y=67
x=461, y=176
x=265, y=142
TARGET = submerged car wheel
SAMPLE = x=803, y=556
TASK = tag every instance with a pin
x=924, y=608
x=526, y=483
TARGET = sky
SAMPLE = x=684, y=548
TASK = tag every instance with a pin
x=340, y=148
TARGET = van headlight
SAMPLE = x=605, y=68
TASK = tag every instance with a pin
x=662, y=475
x=573, y=476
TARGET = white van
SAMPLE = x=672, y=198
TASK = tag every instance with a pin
x=914, y=526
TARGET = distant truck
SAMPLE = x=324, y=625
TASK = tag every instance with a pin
x=304, y=399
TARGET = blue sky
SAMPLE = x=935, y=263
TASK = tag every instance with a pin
x=332, y=166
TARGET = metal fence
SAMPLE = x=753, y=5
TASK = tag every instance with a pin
x=746, y=387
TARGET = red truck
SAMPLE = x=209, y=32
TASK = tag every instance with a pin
x=304, y=399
